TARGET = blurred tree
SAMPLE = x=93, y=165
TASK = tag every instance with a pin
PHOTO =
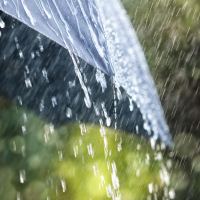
x=169, y=34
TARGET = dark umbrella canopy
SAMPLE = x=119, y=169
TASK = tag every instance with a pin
x=61, y=86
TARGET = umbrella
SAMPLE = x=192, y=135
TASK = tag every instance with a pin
x=78, y=60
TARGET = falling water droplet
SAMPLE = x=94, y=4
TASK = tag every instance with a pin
x=32, y=55
x=76, y=151
x=119, y=94
x=18, y=196
x=17, y=46
x=131, y=104
x=27, y=69
x=54, y=101
x=5, y=2
x=41, y=47
x=37, y=53
x=63, y=185
x=68, y=112
x=96, y=109
x=96, y=171
x=90, y=150
x=87, y=101
x=150, y=187
x=41, y=105
x=44, y=73
x=23, y=129
x=109, y=191
x=20, y=100
x=2, y=24
x=28, y=83
x=22, y=176
x=21, y=54
x=83, y=129
x=72, y=84
x=172, y=194
x=23, y=151
x=101, y=79
x=60, y=155
x=108, y=121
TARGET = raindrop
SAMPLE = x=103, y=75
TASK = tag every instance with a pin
x=41, y=47
x=51, y=128
x=37, y=53
x=172, y=194
x=96, y=109
x=41, y=105
x=67, y=95
x=23, y=129
x=18, y=196
x=108, y=121
x=68, y=112
x=87, y=101
x=102, y=180
x=21, y=54
x=89, y=90
x=85, y=78
x=2, y=24
x=72, y=84
x=5, y=2
x=60, y=155
x=44, y=73
x=22, y=176
x=101, y=79
x=104, y=110
x=90, y=150
x=109, y=191
x=119, y=94
x=32, y=54
x=83, y=129
x=95, y=169
x=131, y=104
x=54, y=101
x=63, y=185
x=102, y=132
x=16, y=39
x=150, y=187
x=17, y=46
x=27, y=69
x=28, y=83
x=20, y=100
x=119, y=147
x=76, y=151
x=115, y=180
x=25, y=117
x=23, y=151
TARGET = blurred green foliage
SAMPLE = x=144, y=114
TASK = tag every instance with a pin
x=75, y=161
x=168, y=31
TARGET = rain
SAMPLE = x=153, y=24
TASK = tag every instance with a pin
x=99, y=99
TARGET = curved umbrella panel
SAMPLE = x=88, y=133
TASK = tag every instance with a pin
x=131, y=69
x=74, y=24
x=100, y=33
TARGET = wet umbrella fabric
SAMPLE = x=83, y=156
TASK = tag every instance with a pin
x=36, y=69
